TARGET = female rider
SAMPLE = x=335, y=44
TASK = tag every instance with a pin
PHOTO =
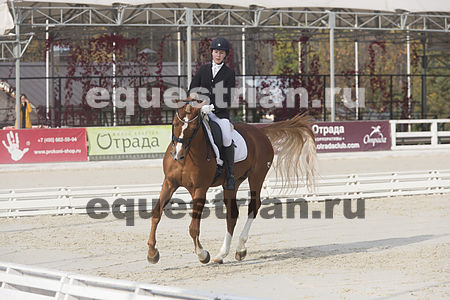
x=218, y=79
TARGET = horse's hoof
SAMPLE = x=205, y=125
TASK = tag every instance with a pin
x=206, y=259
x=240, y=255
x=154, y=259
x=217, y=261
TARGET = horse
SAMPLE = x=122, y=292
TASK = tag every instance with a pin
x=185, y=164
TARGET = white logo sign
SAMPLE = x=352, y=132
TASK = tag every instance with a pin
x=375, y=137
x=13, y=146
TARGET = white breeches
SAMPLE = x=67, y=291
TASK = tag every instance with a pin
x=225, y=127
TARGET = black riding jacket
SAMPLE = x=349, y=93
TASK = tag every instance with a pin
x=204, y=78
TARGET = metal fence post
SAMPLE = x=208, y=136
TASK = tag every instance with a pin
x=391, y=108
x=60, y=100
x=393, y=134
x=324, y=97
x=434, y=133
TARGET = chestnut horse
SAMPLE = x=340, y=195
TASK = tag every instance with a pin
x=185, y=164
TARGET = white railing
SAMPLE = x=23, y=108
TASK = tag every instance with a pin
x=26, y=282
x=421, y=139
x=73, y=200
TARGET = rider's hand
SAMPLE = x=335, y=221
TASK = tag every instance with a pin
x=207, y=109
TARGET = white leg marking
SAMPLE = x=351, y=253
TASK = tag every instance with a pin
x=244, y=235
x=225, y=247
x=180, y=145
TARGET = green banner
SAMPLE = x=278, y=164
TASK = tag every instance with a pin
x=128, y=140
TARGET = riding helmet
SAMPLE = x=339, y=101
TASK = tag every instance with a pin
x=220, y=43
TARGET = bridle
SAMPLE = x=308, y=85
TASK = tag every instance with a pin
x=186, y=142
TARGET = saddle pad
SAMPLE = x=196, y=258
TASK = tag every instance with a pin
x=240, y=150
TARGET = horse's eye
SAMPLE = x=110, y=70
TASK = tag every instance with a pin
x=195, y=102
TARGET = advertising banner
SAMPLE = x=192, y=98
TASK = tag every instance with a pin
x=43, y=145
x=129, y=140
x=352, y=136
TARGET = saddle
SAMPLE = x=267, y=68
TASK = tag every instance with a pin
x=213, y=131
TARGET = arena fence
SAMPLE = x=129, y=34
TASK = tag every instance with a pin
x=30, y=283
x=420, y=134
x=74, y=200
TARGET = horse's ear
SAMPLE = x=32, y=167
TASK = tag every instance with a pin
x=194, y=96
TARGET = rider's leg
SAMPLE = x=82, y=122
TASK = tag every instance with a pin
x=226, y=129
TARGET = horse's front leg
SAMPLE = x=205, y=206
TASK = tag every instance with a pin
x=229, y=198
x=199, y=199
x=167, y=191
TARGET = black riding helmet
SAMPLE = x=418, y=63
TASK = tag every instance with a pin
x=220, y=43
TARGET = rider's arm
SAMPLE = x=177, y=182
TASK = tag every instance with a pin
x=197, y=79
x=230, y=82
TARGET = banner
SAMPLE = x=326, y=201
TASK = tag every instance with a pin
x=129, y=140
x=352, y=136
x=43, y=145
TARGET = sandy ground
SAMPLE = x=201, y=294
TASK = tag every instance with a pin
x=400, y=250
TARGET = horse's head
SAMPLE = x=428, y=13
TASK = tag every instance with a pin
x=185, y=125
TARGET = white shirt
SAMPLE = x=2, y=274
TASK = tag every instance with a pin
x=215, y=68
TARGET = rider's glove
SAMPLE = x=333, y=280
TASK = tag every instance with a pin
x=207, y=109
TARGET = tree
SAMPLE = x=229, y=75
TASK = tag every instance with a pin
x=285, y=55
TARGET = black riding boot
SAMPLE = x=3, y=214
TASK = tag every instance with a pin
x=230, y=183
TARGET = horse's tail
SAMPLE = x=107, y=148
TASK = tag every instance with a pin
x=294, y=141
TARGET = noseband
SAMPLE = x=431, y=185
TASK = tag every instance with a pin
x=186, y=142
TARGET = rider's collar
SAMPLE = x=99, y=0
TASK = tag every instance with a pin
x=216, y=65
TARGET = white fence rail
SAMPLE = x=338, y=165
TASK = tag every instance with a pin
x=29, y=283
x=434, y=138
x=73, y=200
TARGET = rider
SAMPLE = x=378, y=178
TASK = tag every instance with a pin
x=210, y=76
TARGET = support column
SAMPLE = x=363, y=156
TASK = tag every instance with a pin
x=189, y=22
x=47, y=75
x=179, y=60
x=356, y=80
x=17, y=53
x=424, y=79
x=114, y=100
x=299, y=43
x=408, y=71
x=332, y=25
x=244, y=90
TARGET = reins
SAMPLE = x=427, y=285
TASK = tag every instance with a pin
x=185, y=141
x=185, y=122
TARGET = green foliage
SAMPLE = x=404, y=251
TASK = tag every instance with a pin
x=438, y=95
x=285, y=55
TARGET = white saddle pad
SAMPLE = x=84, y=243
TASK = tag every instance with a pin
x=240, y=150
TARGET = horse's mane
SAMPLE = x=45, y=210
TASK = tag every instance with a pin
x=294, y=142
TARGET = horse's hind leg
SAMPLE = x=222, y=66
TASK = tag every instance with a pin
x=166, y=193
x=255, y=183
x=229, y=198
x=199, y=198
